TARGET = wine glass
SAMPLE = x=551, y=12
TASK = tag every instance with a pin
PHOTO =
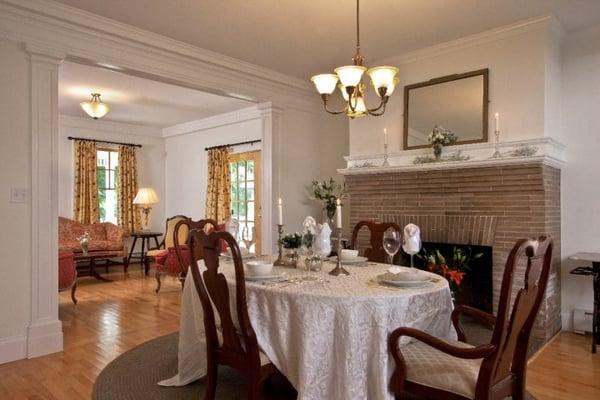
x=391, y=244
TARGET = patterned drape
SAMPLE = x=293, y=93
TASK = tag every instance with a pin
x=85, y=204
x=218, y=192
x=128, y=215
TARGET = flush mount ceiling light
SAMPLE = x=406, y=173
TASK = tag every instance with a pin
x=383, y=79
x=95, y=108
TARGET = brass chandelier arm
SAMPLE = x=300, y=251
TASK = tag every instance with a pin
x=373, y=111
x=325, y=98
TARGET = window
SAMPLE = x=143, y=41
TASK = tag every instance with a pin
x=245, y=205
x=107, y=169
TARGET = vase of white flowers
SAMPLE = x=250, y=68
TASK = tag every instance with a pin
x=440, y=137
x=84, y=242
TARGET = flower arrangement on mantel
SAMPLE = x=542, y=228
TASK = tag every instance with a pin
x=440, y=137
x=328, y=191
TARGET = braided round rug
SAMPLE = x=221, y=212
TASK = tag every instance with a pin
x=133, y=376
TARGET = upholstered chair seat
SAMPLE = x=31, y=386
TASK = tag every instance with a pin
x=430, y=367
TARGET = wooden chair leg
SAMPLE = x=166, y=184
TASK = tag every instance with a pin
x=254, y=389
x=158, y=283
x=146, y=265
x=211, y=382
x=73, y=289
x=125, y=264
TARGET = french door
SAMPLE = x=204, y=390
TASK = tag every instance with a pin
x=245, y=197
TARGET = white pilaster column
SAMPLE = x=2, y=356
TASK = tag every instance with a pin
x=271, y=172
x=45, y=329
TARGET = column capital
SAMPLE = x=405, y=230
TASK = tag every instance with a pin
x=44, y=53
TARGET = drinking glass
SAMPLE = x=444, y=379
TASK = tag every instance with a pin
x=391, y=244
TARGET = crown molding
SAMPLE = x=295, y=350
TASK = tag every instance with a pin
x=492, y=35
x=114, y=127
x=95, y=40
x=228, y=118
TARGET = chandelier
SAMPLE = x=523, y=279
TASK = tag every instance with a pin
x=383, y=79
x=95, y=108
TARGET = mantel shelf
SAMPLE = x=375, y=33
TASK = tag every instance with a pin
x=548, y=152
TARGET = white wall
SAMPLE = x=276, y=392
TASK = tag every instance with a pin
x=15, y=172
x=186, y=166
x=516, y=86
x=581, y=178
x=150, y=158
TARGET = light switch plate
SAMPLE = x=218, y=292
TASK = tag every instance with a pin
x=19, y=195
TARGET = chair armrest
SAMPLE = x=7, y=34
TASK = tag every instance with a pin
x=485, y=318
x=399, y=374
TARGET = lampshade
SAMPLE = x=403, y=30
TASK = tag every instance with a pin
x=325, y=83
x=350, y=75
x=145, y=196
x=360, y=110
x=343, y=91
x=382, y=76
x=95, y=108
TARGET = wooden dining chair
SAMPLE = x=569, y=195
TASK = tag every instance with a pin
x=182, y=229
x=233, y=345
x=441, y=369
x=375, y=253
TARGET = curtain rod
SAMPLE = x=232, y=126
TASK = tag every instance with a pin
x=250, y=142
x=105, y=141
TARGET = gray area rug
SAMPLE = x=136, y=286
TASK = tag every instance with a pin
x=133, y=375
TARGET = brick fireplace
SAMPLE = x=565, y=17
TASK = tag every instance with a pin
x=492, y=206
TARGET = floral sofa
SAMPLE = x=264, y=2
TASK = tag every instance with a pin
x=105, y=238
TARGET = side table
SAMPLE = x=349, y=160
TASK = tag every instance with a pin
x=594, y=272
x=145, y=236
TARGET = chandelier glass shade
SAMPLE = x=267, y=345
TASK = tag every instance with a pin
x=95, y=108
x=383, y=79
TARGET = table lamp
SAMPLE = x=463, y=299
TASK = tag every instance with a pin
x=144, y=198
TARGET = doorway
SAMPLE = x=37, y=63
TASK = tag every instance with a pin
x=245, y=171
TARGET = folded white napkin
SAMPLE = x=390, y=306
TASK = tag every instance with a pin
x=412, y=239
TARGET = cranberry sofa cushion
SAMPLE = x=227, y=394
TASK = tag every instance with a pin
x=168, y=262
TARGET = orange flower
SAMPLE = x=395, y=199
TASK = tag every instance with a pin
x=456, y=276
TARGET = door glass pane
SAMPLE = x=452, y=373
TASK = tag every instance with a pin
x=233, y=166
x=250, y=191
x=250, y=210
x=102, y=158
x=241, y=190
x=111, y=175
x=114, y=159
x=242, y=170
x=250, y=170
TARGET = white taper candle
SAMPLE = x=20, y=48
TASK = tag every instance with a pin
x=279, y=211
x=338, y=214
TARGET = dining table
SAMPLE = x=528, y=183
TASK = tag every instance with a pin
x=327, y=334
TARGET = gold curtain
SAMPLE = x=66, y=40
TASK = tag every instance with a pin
x=85, y=204
x=218, y=192
x=128, y=215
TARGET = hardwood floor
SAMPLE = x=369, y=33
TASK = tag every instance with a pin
x=114, y=317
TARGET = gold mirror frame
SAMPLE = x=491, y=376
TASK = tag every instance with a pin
x=444, y=79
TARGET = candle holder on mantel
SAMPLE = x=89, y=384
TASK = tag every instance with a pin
x=497, y=153
x=339, y=269
x=280, y=261
x=385, y=156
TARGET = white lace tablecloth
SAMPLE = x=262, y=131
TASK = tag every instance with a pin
x=327, y=336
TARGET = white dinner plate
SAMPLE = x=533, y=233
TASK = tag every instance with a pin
x=350, y=260
x=270, y=277
x=405, y=284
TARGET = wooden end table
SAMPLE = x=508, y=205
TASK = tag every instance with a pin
x=145, y=236
x=594, y=272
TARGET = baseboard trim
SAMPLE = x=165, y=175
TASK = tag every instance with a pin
x=44, y=338
x=13, y=348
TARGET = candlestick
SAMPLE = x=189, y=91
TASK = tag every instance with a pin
x=497, y=119
x=279, y=261
x=279, y=211
x=339, y=269
x=385, y=156
x=338, y=214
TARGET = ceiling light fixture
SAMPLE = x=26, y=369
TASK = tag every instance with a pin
x=95, y=108
x=383, y=79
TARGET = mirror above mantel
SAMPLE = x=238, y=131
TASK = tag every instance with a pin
x=457, y=102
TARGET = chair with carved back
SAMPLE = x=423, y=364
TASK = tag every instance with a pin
x=441, y=369
x=234, y=345
x=182, y=229
x=375, y=252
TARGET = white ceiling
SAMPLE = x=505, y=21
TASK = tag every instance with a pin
x=302, y=38
x=136, y=100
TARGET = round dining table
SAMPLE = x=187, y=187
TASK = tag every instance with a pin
x=326, y=334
